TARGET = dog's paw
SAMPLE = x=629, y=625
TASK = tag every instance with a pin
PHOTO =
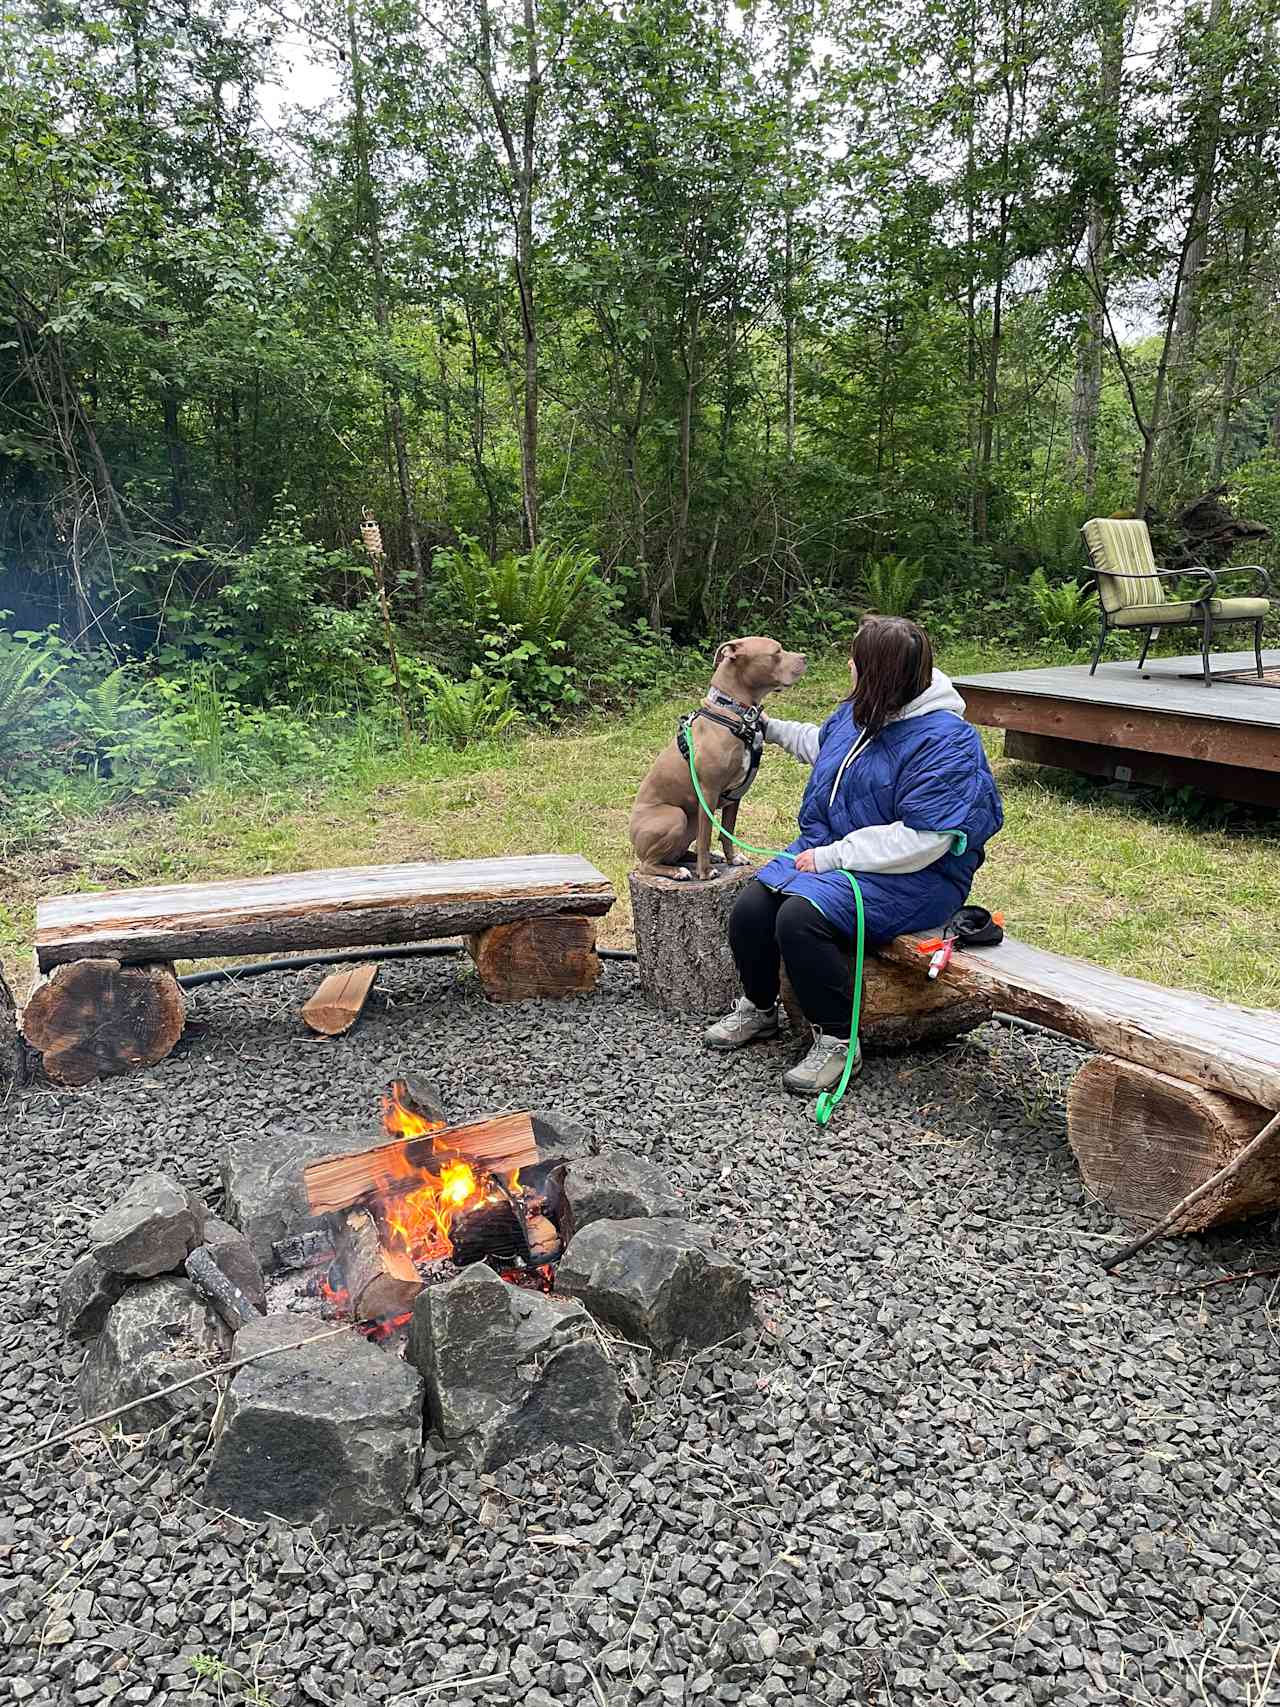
x=736, y=858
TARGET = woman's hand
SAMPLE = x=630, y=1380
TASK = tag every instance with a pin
x=804, y=861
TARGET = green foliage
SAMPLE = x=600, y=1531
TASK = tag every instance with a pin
x=891, y=584
x=1068, y=610
x=465, y=714
x=28, y=666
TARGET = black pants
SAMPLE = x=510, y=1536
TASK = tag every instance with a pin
x=766, y=928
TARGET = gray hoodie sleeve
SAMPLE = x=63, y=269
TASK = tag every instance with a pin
x=798, y=739
x=883, y=847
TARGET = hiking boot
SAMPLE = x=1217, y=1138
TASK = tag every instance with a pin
x=745, y=1024
x=822, y=1066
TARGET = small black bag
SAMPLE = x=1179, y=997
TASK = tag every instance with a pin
x=973, y=927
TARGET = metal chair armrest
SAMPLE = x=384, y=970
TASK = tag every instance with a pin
x=1262, y=575
x=1210, y=578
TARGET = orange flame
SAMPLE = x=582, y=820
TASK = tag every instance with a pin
x=419, y=1221
x=402, y=1122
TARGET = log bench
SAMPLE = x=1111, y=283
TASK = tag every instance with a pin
x=1179, y=1084
x=107, y=998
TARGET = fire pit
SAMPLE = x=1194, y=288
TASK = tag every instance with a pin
x=494, y=1277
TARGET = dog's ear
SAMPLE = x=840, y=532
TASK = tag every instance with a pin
x=726, y=649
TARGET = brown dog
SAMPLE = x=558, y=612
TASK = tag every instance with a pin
x=666, y=820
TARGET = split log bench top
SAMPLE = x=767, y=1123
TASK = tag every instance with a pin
x=359, y=907
x=1232, y=1050
x=1179, y=1087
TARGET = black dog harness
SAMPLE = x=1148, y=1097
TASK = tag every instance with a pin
x=747, y=730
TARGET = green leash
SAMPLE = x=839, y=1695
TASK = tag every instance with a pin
x=827, y=1101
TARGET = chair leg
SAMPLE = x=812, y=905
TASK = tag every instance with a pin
x=1204, y=648
x=1146, y=645
x=1097, y=651
x=1257, y=645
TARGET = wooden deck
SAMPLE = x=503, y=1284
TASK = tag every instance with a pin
x=1159, y=725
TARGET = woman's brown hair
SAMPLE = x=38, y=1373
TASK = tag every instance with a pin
x=894, y=661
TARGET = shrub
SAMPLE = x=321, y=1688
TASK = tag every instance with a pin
x=463, y=713
x=890, y=584
x=1068, y=610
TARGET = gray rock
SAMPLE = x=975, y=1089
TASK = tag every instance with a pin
x=616, y=1186
x=510, y=1372
x=150, y=1230
x=262, y=1185
x=86, y=1295
x=657, y=1282
x=234, y=1256
x=334, y=1427
x=156, y=1334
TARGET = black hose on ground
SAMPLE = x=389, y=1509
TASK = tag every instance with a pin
x=347, y=957
x=428, y=950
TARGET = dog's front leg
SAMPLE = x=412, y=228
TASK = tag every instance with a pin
x=729, y=822
x=702, y=847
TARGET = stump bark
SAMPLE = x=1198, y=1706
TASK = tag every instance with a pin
x=682, y=939
x=91, y=1018
x=901, y=1009
x=1143, y=1140
x=13, y=1056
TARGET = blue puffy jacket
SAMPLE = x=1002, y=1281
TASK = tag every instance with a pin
x=926, y=770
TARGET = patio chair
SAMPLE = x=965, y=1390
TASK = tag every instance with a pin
x=1131, y=592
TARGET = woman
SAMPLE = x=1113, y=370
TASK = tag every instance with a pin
x=900, y=795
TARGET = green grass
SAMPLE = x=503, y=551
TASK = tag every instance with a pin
x=1145, y=888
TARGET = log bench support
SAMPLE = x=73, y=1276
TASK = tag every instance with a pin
x=537, y=959
x=93, y=1018
x=1144, y=1140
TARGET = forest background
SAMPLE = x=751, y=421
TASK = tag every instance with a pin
x=631, y=326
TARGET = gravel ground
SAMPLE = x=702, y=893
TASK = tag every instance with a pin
x=957, y=1463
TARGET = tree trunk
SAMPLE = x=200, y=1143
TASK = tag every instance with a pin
x=1144, y=1140
x=91, y=1018
x=1181, y=417
x=1087, y=394
x=682, y=940
x=368, y=215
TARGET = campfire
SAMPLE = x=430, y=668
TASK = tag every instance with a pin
x=417, y=1210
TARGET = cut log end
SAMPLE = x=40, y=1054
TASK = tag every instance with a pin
x=1144, y=1141
x=92, y=1018
x=546, y=959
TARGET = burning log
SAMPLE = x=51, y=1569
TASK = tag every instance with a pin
x=492, y=1229
x=89, y=1018
x=339, y=1000
x=500, y=1144
x=411, y=1097
x=379, y=1282
x=225, y=1296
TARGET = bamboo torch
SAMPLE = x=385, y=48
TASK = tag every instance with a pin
x=371, y=534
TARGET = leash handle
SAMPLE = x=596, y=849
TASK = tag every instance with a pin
x=828, y=1101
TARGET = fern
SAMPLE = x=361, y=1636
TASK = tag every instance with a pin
x=1067, y=609
x=891, y=584
x=463, y=713
x=543, y=595
x=26, y=671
